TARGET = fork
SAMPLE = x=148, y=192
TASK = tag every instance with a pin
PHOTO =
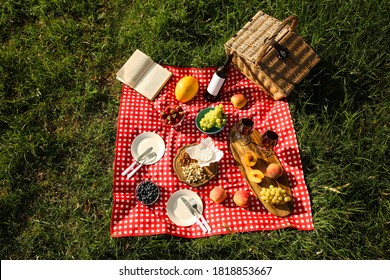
x=147, y=159
x=195, y=205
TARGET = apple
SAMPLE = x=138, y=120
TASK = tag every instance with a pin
x=238, y=100
x=218, y=194
x=242, y=198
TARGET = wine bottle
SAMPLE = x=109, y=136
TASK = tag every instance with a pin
x=214, y=88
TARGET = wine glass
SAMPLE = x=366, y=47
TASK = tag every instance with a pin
x=244, y=129
x=269, y=139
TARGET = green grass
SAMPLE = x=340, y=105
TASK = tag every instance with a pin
x=59, y=103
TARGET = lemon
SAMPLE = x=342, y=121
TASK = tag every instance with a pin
x=186, y=89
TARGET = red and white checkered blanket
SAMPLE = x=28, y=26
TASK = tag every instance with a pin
x=137, y=115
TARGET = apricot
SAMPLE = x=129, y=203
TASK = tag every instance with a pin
x=249, y=158
x=239, y=100
x=274, y=170
x=255, y=176
x=218, y=194
x=242, y=198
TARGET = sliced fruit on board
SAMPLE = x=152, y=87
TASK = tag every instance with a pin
x=280, y=210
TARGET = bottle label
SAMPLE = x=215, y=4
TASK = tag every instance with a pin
x=215, y=85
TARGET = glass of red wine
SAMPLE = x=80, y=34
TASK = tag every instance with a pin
x=244, y=129
x=269, y=139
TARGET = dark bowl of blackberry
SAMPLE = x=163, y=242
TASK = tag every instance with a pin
x=147, y=192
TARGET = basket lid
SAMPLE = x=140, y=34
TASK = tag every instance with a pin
x=249, y=41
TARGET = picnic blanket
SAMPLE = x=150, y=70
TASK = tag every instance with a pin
x=138, y=115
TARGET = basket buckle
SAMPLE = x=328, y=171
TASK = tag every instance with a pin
x=282, y=52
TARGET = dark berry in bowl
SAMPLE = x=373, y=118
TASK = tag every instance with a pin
x=147, y=192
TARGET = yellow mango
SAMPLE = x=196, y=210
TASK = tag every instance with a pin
x=186, y=89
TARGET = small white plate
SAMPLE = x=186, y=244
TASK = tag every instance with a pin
x=145, y=140
x=178, y=212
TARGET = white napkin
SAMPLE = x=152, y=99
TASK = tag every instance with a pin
x=205, y=152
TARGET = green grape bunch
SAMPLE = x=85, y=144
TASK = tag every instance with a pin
x=213, y=118
x=274, y=195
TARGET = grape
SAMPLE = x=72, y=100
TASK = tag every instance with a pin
x=213, y=118
x=274, y=195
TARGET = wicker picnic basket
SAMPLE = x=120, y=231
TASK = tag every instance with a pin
x=271, y=54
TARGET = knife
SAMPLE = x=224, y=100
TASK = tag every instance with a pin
x=189, y=207
x=139, y=159
x=195, y=205
x=147, y=159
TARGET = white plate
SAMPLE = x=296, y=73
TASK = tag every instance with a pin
x=178, y=212
x=145, y=140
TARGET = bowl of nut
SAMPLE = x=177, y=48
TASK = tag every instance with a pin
x=188, y=170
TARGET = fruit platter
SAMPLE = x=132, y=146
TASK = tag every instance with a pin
x=264, y=175
x=189, y=172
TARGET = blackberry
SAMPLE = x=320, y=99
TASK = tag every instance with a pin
x=147, y=192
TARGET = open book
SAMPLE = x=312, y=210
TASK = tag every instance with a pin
x=142, y=74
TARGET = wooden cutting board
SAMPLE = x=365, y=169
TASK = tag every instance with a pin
x=280, y=210
x=211, y=171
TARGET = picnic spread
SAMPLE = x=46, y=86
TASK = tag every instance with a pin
x=213, y=151
x=139, y=121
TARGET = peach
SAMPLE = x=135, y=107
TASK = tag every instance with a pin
x=274, y=170
x=218, y=194
x=255, y=176
x=249, y=158
x=242, y=198
x=239, y=100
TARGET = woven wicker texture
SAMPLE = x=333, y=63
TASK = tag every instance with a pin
x=256, y=54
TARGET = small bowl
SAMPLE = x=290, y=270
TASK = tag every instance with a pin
x=174, y=119
x=200, y=115
x=147, y=192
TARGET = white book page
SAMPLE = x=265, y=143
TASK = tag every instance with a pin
x=153, y=81
x=134, y=68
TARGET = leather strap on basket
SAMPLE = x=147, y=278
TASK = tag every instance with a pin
x=270, y=41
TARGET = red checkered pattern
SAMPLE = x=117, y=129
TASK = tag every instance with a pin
x=137, y=115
